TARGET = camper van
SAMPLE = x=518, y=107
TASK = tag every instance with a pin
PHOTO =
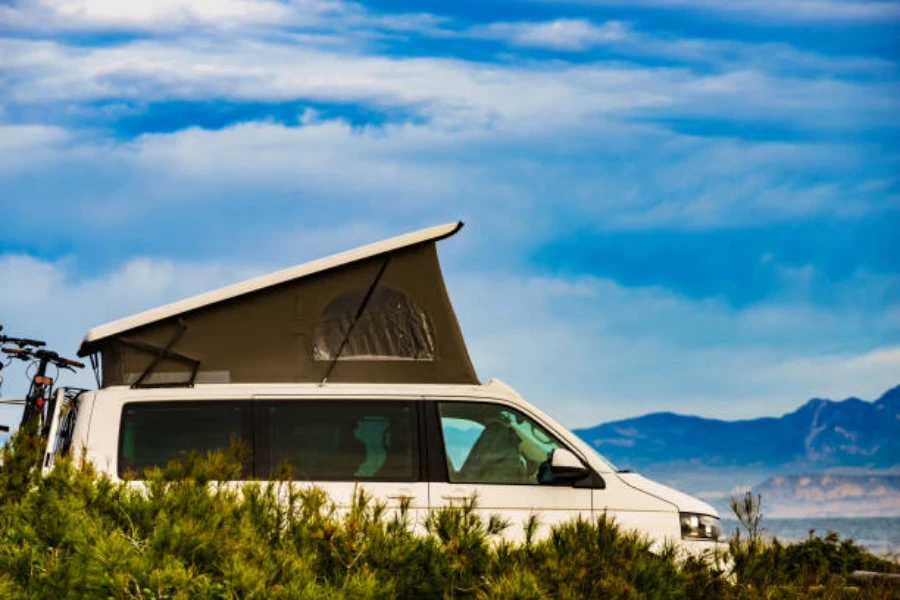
x=351, y=371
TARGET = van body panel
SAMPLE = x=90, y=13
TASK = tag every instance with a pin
x=631, y=500
x=515, y=505
x=680, y=500
x=81, y=432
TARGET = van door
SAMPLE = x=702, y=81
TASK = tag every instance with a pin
x=500, y=456
x=344, y=445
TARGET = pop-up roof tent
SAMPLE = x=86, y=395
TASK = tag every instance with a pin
x=377, y=314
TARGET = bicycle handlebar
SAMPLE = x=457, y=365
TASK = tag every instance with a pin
x=5, y=339
x=47, y=355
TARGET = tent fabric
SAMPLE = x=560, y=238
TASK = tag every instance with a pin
x=294, y=330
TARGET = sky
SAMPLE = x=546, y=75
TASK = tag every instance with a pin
x=670, y=205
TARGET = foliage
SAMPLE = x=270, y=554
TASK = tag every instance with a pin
x=73, y=533
x=748, y=510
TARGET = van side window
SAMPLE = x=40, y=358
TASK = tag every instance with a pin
x=491, y=443
x=153, y=433
x=337, y=440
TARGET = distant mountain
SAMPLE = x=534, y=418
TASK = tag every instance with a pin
x=830, y=495
x=821, y=434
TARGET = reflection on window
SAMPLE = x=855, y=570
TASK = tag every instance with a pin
x=488, y=443
x=152, y=433
x=392, y=327
x=340, y=440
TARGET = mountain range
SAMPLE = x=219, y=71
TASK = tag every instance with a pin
x=819, y=434
x=711, y=457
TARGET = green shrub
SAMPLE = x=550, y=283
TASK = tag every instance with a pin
x=818, y=567
x=74, y=533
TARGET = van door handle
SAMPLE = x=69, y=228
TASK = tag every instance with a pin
x=404, y=495
x=457, y=495
x=401, y=497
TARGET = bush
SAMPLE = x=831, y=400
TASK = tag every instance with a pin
x=815, y=568
x=73, y=533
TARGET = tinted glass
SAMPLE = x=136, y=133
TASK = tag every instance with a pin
x=154, y=433
x=491, y=443
x=338, y=440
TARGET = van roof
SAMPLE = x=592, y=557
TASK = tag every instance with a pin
x=493, y=388
x=430, y=234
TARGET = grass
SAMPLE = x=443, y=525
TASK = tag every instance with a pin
x=73, y=533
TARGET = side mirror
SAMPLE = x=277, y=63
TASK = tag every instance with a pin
x=566, y=468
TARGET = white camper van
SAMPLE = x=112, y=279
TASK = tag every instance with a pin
x=350, y=371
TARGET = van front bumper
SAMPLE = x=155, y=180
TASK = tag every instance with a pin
x=704, y=548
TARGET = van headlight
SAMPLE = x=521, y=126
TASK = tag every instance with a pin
x=700, y=527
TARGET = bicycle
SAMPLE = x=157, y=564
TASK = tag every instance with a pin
x=21, y=342
x=40, y=401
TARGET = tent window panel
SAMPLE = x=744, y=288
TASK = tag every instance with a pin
x=392, y=327
x=338, y=440
x=154, y=433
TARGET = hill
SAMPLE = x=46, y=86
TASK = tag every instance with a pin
x=710, y=458
x=821, y=434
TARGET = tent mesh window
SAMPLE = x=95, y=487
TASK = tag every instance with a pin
x=392, y=327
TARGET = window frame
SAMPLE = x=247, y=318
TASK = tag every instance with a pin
x=262, y=441
x=440, y=473
x=429, y=455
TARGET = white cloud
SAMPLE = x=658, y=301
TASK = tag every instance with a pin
x=384, y=172
x=577, y=35
x=450, y=91
x=453, y=91
x=25, y=145
x=162, y=15
x=561, y=34
x=592, y=350
x=18, y=138
x=839, y=376
x=153, y=12
x=793, y=10
x=319, y=23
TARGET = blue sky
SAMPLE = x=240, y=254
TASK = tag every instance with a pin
x=686, y=205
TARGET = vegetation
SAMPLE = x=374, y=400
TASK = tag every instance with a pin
x=72, y=533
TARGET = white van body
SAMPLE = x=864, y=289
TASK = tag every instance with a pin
x=633, y=501
x=353, y=411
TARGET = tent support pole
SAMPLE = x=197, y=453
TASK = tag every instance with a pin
x=95, y=366
x=161, y=353
x=359, y=312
